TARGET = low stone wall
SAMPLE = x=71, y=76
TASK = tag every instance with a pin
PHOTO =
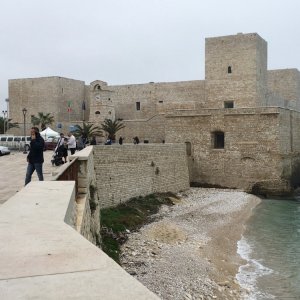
x=43, y=257
x=87, y=208
x=130, y=171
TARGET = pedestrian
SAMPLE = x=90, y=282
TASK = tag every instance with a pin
x=136, y=140
x=93, y=141
x=121, y=140
x=71, y=143
x=108, y=141
x=35, y=157
x=60, y=141
x=65, y=149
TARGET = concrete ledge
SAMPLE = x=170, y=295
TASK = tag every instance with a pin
x=41, y=257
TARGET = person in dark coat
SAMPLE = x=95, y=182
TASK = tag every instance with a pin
x=35, y=158
x=93, y=141
x=121, y=140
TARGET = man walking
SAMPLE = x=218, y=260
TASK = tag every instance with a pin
x=71, y=143
x=35, y=158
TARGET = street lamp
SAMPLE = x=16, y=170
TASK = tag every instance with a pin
x=24, y=111
x=4, y=120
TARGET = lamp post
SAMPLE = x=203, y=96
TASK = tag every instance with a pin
x=7, y=107
x=4, y=120
x=24, y=111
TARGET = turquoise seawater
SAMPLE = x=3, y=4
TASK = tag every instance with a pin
x=271, y=247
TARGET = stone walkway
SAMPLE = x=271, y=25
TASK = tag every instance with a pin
x=13, y=170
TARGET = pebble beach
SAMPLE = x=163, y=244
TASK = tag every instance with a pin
x=189, y=251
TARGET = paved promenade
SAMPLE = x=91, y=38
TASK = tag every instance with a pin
x=13, y=170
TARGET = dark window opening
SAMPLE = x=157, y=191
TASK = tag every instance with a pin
x=218, y=140
x=229, y=70
x=138, y=105
x=97, y=112
x=160, y=101
x=228, y=104
x=188, y=147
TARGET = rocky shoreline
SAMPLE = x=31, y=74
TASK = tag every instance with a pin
x=190, y=250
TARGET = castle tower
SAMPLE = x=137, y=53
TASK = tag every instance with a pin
x=235, y=71
x=101, y=106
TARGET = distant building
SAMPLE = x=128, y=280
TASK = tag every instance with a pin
x=240, y=125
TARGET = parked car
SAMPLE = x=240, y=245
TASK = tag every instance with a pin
x=4, y=150
x=51, y=143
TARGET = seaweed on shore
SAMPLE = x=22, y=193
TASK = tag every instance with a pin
x=117, y=222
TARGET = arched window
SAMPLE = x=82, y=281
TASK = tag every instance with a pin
x=97, y=87
x=97, y=112
x=229, y=70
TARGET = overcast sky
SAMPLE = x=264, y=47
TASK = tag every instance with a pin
x=135, y=41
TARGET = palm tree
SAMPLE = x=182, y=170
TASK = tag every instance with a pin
x=8, y=124
x=112, y=127
x=42, y=120
x=87, y=130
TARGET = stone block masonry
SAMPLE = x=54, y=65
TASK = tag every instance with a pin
x=128, y=171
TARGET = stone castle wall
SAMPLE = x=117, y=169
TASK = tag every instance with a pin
x=130, y=171
x=235, y=70
x=47, y=95
x=235, y=74
x=257, y=149
x=286, y=84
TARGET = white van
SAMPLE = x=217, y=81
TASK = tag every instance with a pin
x=15, y=142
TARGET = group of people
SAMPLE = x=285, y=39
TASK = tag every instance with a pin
x=35, y=158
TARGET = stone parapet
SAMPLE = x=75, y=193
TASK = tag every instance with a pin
x=42, y=257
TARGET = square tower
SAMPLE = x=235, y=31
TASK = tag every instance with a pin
x=235, y=71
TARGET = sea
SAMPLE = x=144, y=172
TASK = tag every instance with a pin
x=270, y=247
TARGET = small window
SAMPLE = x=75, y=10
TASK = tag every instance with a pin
x=228, y=104
x=97, y=112
x=218, y=140
x=138, y=105
x=160, y=101
x=188, y=147
x=229, y=70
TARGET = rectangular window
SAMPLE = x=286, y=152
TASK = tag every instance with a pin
x=228, y=104
x=138, y=105
x=218, y=140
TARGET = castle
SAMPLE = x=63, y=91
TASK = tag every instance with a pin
x=240, y=125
